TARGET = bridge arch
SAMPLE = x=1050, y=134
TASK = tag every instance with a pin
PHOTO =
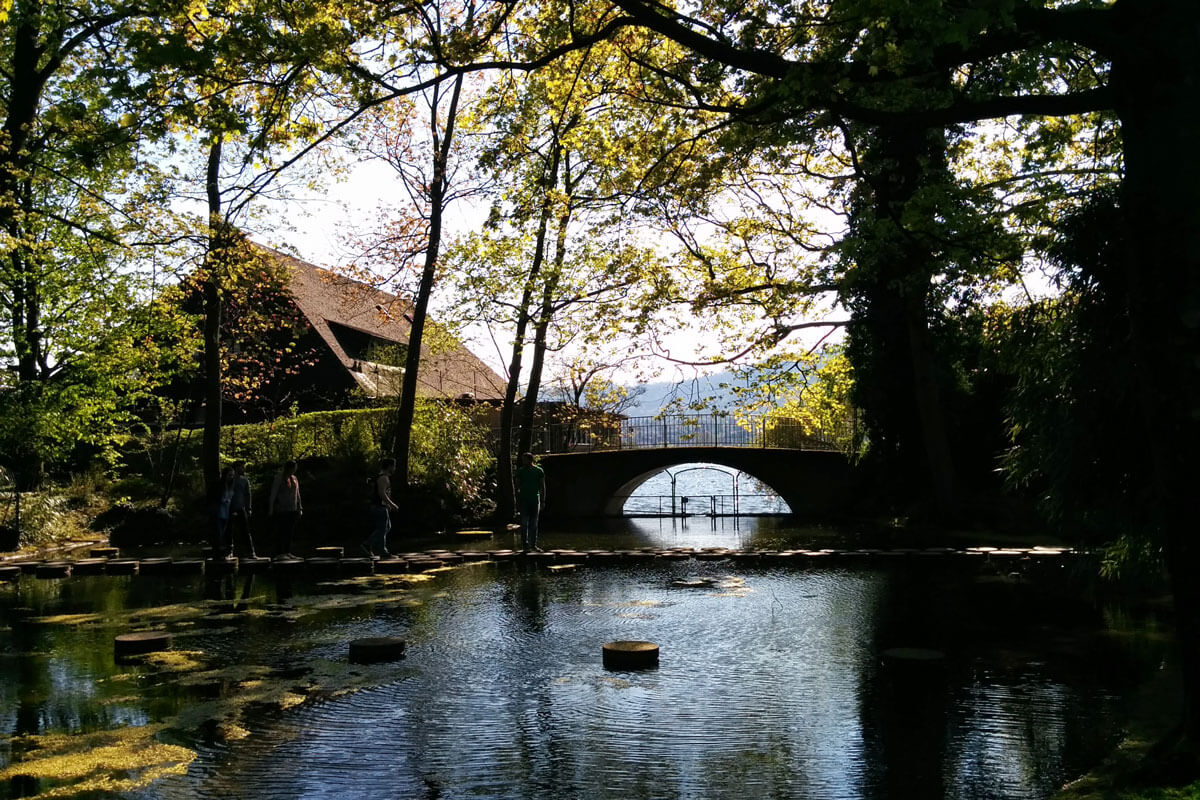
x=596, y=484
x=616, y=505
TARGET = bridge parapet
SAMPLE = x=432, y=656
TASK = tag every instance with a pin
x=684, y=430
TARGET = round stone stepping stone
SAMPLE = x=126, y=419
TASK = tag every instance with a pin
x=563, y=567
x=27, y=567
x=53, y=569
x=220, y=566
x=286, y=564
x=694, y=583
x=122, y=566
x=391, y=566
x=376, y=649
x=329, y=552
x=357, y=566
x=630, y=655
x=104, y=552
x=187, y=566
x=472, y=555
x=1046, y=554
x=425, y=564
x=139, y=642
x=254, y=564
x=475, y=534
x=155, y=566
x=9, y=572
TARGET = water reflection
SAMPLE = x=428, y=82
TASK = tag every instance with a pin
x=771, y=683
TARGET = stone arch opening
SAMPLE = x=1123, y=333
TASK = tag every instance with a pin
x=743, y=495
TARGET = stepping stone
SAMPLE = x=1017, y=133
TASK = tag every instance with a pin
x=140, y=642
x=220, y=566
x=104, y=552
x=391, y=566
x=53, y=569
x=630, y=655
x=155, y=566
x=376, y=649
x=254, y=565
x=357, y=566
x=187, y=566
x=694, y=583
x=122, y=566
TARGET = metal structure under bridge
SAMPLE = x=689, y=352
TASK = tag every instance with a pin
x=591, y=471
x=682, y=430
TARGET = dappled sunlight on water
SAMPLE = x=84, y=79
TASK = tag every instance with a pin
x=770, y=683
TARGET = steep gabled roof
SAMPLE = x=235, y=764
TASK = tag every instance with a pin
x=341, y=309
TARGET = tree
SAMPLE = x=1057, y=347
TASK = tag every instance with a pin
x=73, y=119
x=251, y=80
x=263, y=334
x=558, y=252
x=1148, y=67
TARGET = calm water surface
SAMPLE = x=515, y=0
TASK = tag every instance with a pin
x=772, y=683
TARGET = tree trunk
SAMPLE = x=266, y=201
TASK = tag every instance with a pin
x=889, y=297
x=505, y=487
x=215, y=257
x=545, y=315
x=412, y=361
x=1156, y=80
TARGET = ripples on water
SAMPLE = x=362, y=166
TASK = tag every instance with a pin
x=770, y=685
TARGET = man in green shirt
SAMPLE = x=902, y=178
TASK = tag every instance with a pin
x=531, y=496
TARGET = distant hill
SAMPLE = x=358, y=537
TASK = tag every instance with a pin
x=705, y=388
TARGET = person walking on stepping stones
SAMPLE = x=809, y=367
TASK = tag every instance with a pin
x=531, y=496
x=221, y=500
x=381, y=508
x=285, y=507
x=239, y=510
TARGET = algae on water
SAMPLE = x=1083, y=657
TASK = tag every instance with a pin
x=112, y=761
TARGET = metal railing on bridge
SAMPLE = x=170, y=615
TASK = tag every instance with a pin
x=682, y=430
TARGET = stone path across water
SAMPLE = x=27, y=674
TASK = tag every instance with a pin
x=107, y=563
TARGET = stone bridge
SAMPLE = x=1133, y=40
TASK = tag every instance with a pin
x=592, y=484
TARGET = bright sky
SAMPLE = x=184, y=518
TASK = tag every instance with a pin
x=316, y=228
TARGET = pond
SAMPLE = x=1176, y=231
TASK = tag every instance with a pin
x=772, y=682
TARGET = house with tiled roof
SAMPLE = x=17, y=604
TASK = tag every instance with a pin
x=361, y=334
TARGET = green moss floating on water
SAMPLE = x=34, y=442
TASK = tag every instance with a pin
x=108, y=762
